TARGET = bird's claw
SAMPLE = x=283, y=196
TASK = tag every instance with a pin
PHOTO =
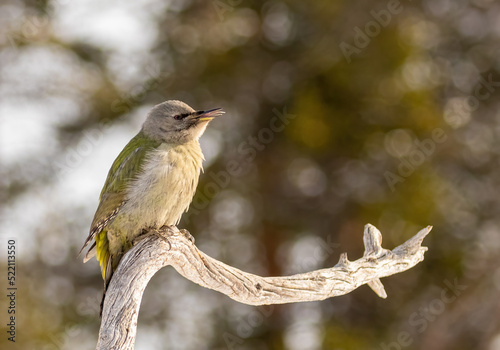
x=188, y=235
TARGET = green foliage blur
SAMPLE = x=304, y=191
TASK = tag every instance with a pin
x=338, y=114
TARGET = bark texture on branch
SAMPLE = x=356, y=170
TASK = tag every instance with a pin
x=172, y=247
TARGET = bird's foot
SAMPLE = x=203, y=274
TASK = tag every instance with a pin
x=187, y=235
x=184, y=232
x=153, y=232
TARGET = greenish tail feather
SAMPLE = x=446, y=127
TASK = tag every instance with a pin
x=104, y=258
x=102, y=250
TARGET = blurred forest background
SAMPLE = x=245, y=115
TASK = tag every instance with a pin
x=388, y=113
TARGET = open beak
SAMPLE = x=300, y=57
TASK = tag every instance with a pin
x=209, y=114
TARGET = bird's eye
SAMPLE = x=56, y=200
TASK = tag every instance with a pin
x=178, y=117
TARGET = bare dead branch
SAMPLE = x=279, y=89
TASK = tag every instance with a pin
x=172, y=247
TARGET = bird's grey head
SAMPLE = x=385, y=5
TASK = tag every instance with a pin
x=176, y=122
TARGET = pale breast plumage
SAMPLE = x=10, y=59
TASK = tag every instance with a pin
x=163, y=190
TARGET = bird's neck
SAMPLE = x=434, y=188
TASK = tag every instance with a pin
x=190, y=150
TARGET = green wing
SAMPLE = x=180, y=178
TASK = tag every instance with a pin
x=125, y=168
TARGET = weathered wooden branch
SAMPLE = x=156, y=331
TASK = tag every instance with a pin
x=172, y=247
